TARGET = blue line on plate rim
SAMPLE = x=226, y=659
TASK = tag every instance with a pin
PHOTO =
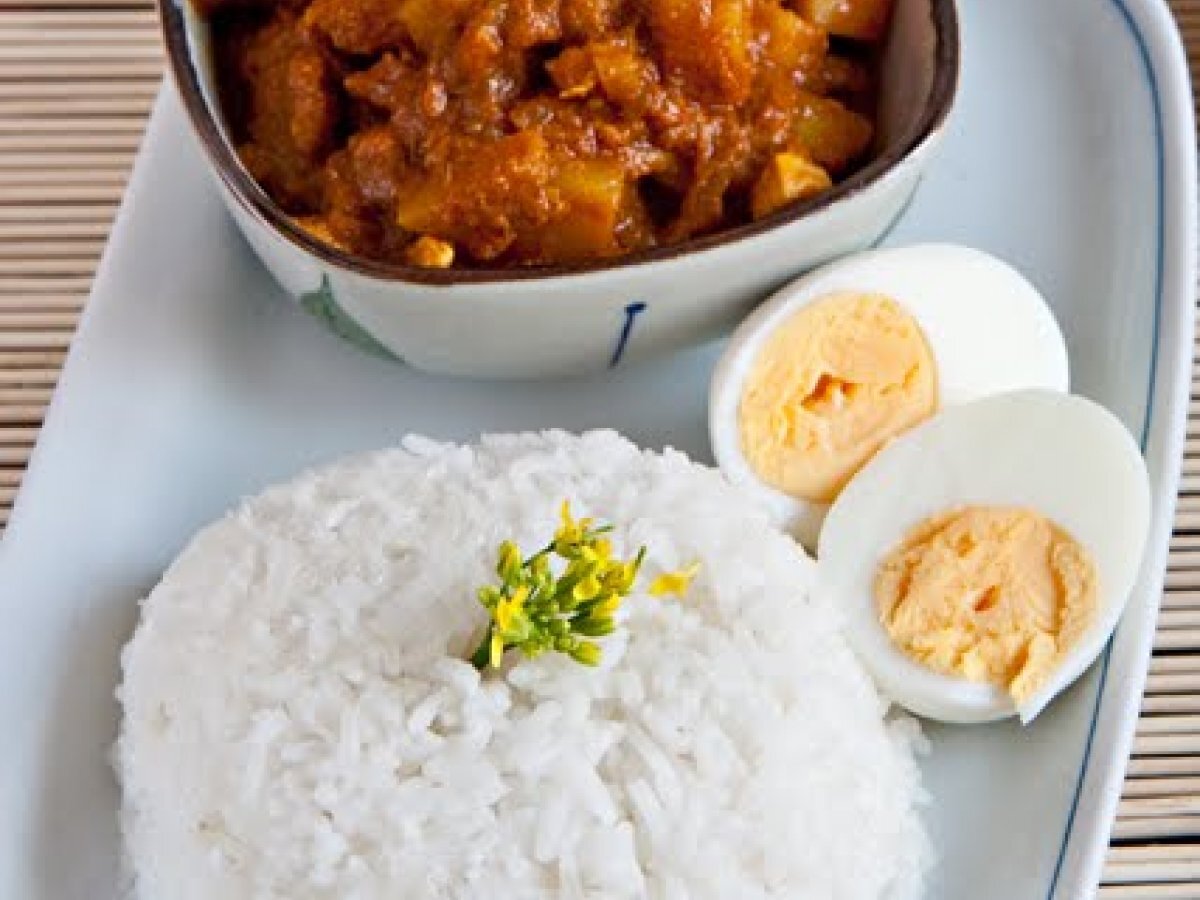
x=1106, y=657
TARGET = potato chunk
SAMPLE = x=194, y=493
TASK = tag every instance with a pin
x=624, y=76
x=430, y=253
x=862, y=20
x=433, y=24
x=791, y=42
x=591, y=193
x=318, y=228
x=483, y=196
x=613, y=66
x=830, y=134
x=705, y=46
x=573, y=73
x=788, y=177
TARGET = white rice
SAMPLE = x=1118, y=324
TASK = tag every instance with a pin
x=299, y=722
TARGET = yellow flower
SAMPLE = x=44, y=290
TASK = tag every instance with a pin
x=509, y=608
x=509, y=564
x=571, y=532
x=496, y=649
x=607, y=606
x=676, y=583
x=598, y=552
x=588, y=588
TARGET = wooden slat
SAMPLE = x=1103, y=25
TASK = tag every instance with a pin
x=1142, y=788
x=10, y=378
x=1150, y=890
x=1133, y=873
x=23, y=357
x=1163, y=766
x=1182, y=663
x=1157, y=828
x=80, y=211
x=1164, y=704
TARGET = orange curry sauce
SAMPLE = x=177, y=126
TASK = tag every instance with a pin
x=520, y=132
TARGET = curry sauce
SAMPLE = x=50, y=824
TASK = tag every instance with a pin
x=522, y=132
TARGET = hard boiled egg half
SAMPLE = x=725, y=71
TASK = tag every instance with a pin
x=839, y=363
x=983, y=558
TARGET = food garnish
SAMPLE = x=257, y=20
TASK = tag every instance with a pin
x=565, y=595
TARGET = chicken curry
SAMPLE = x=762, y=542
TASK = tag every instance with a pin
x=499, y=133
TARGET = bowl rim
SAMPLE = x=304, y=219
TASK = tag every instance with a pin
x=255, y=201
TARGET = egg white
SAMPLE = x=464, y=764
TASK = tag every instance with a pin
x=988, y=329
x=1064, y=456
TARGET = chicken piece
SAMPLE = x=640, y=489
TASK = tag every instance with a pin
x=614, y=66
x=313, y=100
x=292, y=109
x=483, y=195
x=584, y=20
x=531, y=23
x=351, y=221
x=705, y=46
x=625, y=76
x=525, y=200
x=788, y=177
x=482, y=64
x=414, y=96
x=388, y=84
x=862, y=20
x=433, y=25
x=377, y=161
x=788, y=42
x=725, y=156
x=358, y=26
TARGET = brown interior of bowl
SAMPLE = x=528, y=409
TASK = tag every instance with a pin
x=919, y=80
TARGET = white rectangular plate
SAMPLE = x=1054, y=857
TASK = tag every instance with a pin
x=192, y=382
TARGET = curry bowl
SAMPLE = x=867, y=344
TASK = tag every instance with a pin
x=556, y=320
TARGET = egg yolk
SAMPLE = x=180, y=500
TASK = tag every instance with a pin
x=996, y=594
x=829, y=388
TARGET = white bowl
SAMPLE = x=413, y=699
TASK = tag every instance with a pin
x=561, y=320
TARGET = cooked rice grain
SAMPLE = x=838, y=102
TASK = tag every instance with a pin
x=299, y=722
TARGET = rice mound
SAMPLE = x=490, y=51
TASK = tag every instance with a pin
x=299, y=721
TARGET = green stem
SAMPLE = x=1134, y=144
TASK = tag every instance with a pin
x=545, y=551
x=483, y=653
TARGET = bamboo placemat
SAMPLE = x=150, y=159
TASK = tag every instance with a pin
x=77, y=78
